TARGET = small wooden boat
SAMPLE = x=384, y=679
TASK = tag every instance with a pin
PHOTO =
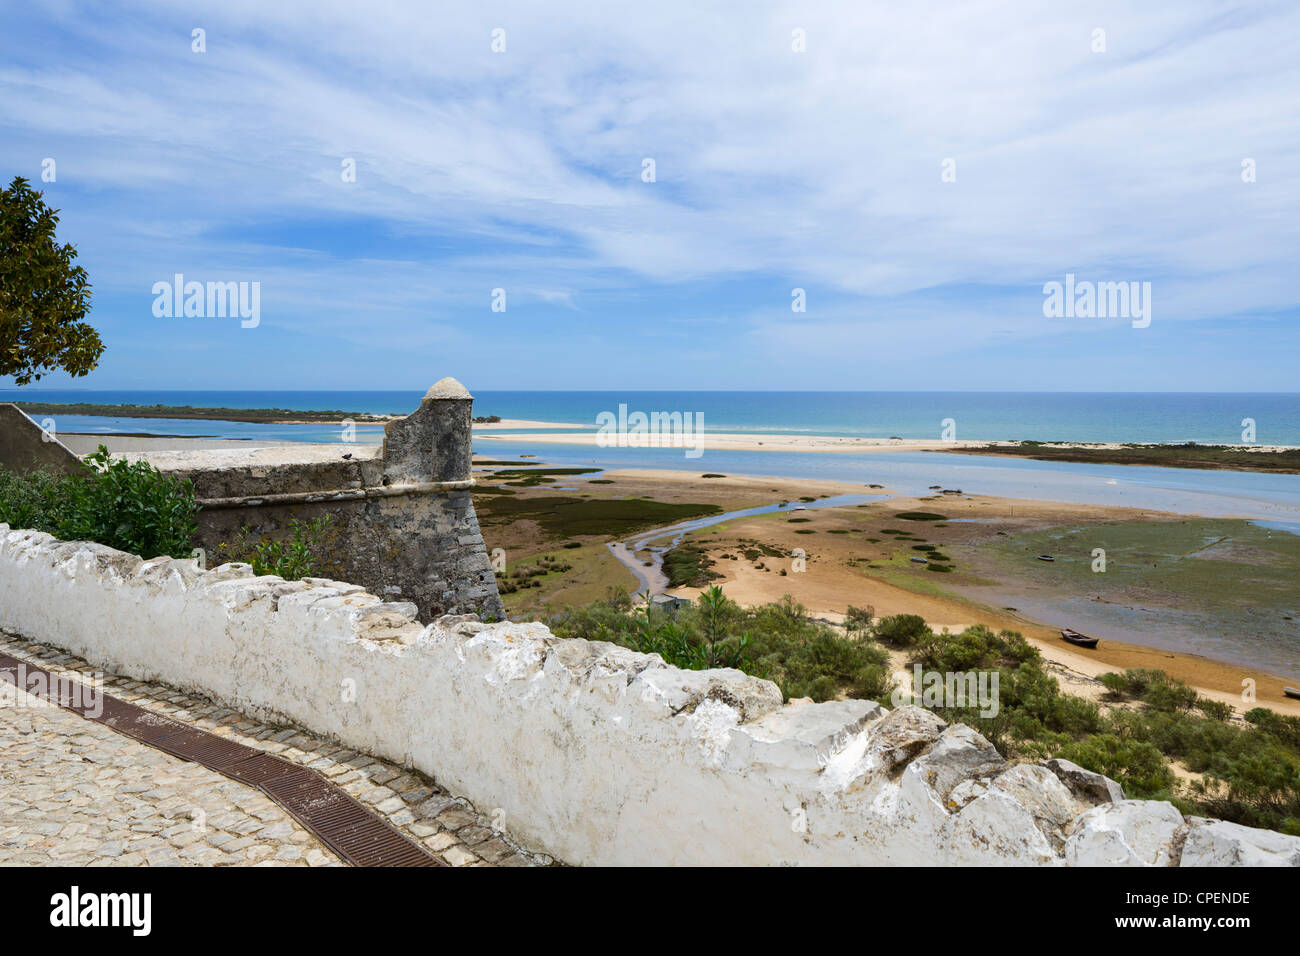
x=919, y=560
x=1292, y=692
x=1074, y=637
x=1046, y=557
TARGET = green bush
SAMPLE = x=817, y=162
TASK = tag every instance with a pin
x=29, y=501
x=775, y=641
x=858, y=621
x=293, y=559
x=1154, y=688
x=688, y=566
x=1282, y=727
x=976, y=648
x=1136, y=765
x=1215, y=709
x=1115, y=684
x=902, y=630
x=131, y=506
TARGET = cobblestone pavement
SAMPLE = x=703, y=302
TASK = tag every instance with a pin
x=75, y=792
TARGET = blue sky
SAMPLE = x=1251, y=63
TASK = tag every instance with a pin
x=775, y=169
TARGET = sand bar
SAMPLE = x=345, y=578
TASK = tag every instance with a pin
x=733, y=441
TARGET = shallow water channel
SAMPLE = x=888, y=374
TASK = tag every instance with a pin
x=651, y=577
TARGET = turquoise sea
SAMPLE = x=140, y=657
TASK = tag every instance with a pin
x=1209, y=418
x=1273, y=500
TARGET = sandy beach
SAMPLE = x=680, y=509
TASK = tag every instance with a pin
x=733, y=441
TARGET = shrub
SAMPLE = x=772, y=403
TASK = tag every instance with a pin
x=1136, y=765
x=776, y=641
x=1215, y=709
x=29, y=501
x=1115, y=684
x=976, y=648
x=1170, y=695
x=293, y=559
x=1256, y=783
x=858, y=620
x=688, y=566
x=902, y=630
x=1282, y=727
x=131, y=506
x=1153, y=687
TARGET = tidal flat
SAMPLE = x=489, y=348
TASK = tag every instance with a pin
x=1209, y=600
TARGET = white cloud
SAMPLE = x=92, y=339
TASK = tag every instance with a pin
x=820, y=168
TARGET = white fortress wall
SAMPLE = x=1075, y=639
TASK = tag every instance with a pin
x=587, y=751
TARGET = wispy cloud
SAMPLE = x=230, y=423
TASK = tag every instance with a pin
x=773, y=170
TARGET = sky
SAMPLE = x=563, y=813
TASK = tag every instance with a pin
x=920, y=170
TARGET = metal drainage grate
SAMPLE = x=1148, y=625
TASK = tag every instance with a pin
x=358, y=835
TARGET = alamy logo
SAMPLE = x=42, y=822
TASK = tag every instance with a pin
x=133, y=910
x=43, y=689
x=653, y=430
x=212, y=300
x=977, y=689
x=1098, y=300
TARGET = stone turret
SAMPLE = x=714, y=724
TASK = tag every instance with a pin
x=434, y=442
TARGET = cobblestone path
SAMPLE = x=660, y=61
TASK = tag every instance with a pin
x=75, y=792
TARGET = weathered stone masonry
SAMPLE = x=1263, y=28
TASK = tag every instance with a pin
x=402, y=524
x=402, y=521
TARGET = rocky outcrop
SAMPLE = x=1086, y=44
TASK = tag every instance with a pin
x=588, y=751
x=1219, y=843
x=1087, y=786
x=1127, y=833
x=958, y=755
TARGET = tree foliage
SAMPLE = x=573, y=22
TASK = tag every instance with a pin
x=44, y=295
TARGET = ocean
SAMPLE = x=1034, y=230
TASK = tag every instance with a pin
x=1272, y=500
x=1207, y=418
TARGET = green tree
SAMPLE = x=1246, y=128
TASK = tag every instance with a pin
x=44, y=295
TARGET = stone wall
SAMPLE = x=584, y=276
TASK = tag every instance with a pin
x=26, y=447
x=402, y=521
x=588, y=751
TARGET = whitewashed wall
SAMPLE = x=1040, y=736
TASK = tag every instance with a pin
x=587, y=751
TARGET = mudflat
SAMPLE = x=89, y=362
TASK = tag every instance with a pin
x=1213, y=590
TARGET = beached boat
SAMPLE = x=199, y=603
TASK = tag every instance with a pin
x=1292, y=692
x=1046, y=557
x=1074, y=637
